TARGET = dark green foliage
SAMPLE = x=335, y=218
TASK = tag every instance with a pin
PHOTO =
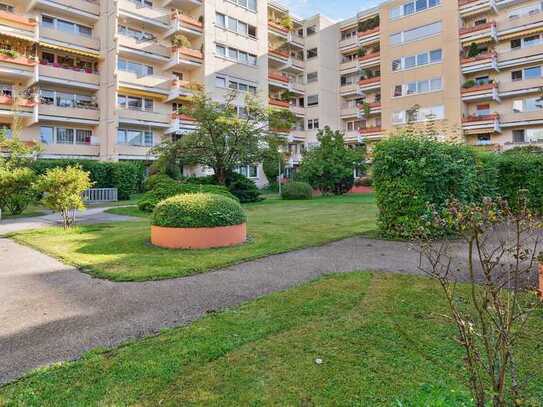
x=272, y=160
x=126, y=176
x=166, y=189
x=154, y=180
x=297, y=190
x=239, y=185
x=16, y=189
x=198, y=211
x=412, y=172
x=525, y=149
x=329, y=167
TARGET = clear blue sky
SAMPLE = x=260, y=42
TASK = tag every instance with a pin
x=335, y=9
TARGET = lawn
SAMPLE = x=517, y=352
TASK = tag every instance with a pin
x=381, y=338
x=122, y=252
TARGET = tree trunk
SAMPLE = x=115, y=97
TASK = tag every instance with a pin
x=220, y=174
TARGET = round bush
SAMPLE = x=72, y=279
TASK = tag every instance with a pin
x=198, y=210
x=297, y=190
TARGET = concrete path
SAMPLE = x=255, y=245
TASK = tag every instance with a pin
x=51, y=312
x=89, y=216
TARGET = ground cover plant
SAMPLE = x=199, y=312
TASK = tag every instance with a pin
x=351, y=339
x=121, y=251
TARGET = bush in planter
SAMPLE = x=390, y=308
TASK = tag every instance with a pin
x=199, y=210
x=168, y=188
x=297, y=190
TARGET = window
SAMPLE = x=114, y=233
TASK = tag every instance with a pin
x=248, y=4
x=7, y=7
x=220, y=82
x=311, y=30
x=143, y=3
x=234, y=25
x=312, y=53
x=249, y=171
x=534, y=135
x=236, y=55
x=313, y=124
x=83, y=136
x=135, y=103
x=527, y=105
x=530, y=10
x=136, y=34
x=413, y=61
x=484, y=139
x=135, y=137
x=482, y=110
x=420, y=115
x=519, y=136
x=345, y=35
x=412, y=7
x=534, y=72
x=236, y=84
x=416, y=33
x=526, y=42
x=134, y=67
x=47, y=135
x=65, y=135
x=313, y=100
x=65, y=26
x=312, y=77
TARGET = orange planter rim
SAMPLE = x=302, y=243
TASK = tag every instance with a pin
x=198, y=238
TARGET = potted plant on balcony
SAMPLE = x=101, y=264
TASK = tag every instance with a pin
x=180, y=41
x=198, y=221
x=287, y=23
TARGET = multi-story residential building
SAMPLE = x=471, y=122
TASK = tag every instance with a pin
x=96, y=79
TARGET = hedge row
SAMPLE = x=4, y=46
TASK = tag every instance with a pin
x=126, y=176
x=413, y=176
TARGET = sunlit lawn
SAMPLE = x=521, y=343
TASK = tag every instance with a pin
x=122, y=252
x=382, y=341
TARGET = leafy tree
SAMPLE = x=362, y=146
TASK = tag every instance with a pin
x=223, y=138
x=62, y=190
x=16, y=153
x=16, y=189
x=330, y=166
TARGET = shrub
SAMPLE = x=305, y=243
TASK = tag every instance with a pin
x=415, y=175
x=297, y=190
x=16, y=189
x=329, y=167
x=154, y=180
x=243, y=188
x=365, y=181
x=62, y=190
x=198, y=210
x=125, y=176
x=166, y=189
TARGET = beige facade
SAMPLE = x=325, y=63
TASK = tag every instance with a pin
x=102, y=80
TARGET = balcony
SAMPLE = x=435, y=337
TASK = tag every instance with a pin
x=58, y=39
x=369, y=84
x=158, y=18
x=181, y=124
x=16, y=66
x=17, y=26
x=278, y=29
x=279, y=55
x=151, y=85
x=182, y=89
x=297, y=110
x=369, y=36
x=187, y=58
x=524, y=119
x=145, y=118
x=78, y=115
x=150, y=50
x=479, y=34
x=68, y=76
x=476, y=93
x=369, y=60
x=282, y=104
x=487, y=61
x=84, y=10
x=481, y=124
x=278, y=79
x=474, y=7
x=521, y=26
x=371, y=133
x=181, y=23
x=523, y=88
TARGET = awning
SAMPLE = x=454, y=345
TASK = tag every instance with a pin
x=521, y=33
x=76, y=51
x=18, y=36
x=138, y=92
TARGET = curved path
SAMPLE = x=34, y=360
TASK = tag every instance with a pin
x=52, y=312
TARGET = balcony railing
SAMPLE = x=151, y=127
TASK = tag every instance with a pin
x=14, y=57
x=481, y=118
x=276, y=26
x=278, y=76
x=279, y=53
x=369, y=33
x=477, y=28
x=284, y=104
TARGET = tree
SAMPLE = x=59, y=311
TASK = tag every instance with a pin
x=491, y=316
x=330, y=166
x=16, y=153
x=62, y=190
x=224, y=139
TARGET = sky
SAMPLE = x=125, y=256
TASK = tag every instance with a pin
x=335, y=9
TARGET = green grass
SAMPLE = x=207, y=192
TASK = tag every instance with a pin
x=122, y=252
x=381, y=338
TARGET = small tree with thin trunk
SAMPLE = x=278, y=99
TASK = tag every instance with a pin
x=502, y=248
x=226, y=137
x=62, y=190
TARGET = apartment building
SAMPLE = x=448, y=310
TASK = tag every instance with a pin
x=96, y=79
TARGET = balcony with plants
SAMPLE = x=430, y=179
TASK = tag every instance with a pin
x=368, y=29
x=17, y=53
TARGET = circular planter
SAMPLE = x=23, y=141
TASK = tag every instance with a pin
x=198, y=238
x=540, y=290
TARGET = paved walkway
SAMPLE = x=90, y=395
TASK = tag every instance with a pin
x=51, y=312
x=89, y=216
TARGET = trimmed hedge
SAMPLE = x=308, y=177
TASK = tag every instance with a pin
x=239, y=185
x=126, y=176
x=199, y=210
x=297, y=190
x=415, y=176
x=166, y=187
